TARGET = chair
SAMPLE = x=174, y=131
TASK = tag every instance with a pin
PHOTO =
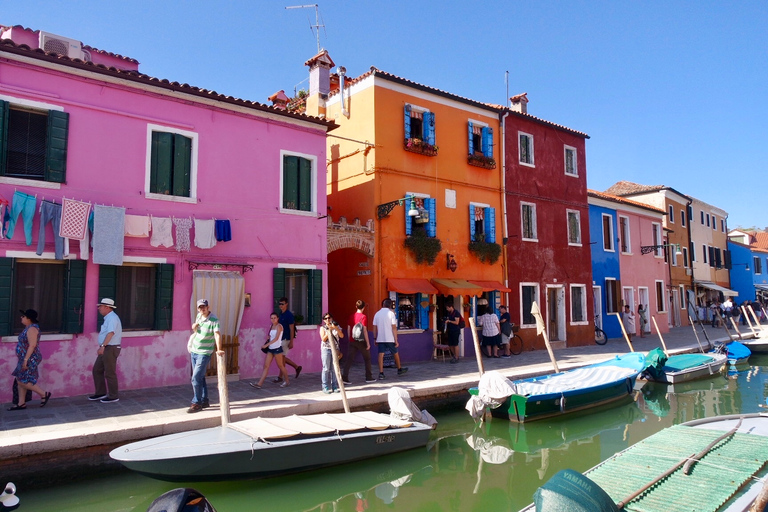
x=438, y=348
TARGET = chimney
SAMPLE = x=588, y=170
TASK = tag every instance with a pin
x=319, y=82
x=519, y=103
x=279, y=99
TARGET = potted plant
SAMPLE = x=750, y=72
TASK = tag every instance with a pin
x=486, y=252
x=424, y=248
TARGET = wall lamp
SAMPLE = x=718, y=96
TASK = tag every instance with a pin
x=451, y=263
x=383, y=210
x=647, y=249
x=746, y=265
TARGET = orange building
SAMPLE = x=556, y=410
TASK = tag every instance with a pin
x=413, y=178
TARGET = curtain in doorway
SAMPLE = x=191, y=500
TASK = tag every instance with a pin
x=225, y=292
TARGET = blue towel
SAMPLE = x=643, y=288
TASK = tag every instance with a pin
x=108, y=235
x=223, y=231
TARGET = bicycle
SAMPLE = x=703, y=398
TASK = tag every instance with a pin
x=600, y=337
x=515, y=342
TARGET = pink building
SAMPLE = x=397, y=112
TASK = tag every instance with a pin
x=644, y=268
x=85, y=125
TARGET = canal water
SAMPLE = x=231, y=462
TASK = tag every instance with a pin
x=467, y=467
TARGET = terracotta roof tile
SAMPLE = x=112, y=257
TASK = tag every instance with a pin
x=623, y=200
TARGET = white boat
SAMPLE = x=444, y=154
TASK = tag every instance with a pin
x=687, y=367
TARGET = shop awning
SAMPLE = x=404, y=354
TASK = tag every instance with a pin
x=490, y=286
x=763, y=287
x=410, y=286
x=457, y=287
x=712, y=286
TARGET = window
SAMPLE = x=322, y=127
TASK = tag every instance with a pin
x=299, y=183
x=578, y=304
x=33, y=142
x=624, y=235
x=574, y=227
x=722, y=225
x=671, y=214
x=571, y=162
x=682, y=297
x=707, y=216
x=528, y=215
x=693, y=252
x=702, y=217
x=419, y=124
x=682, y=218
x=480, y=139
x=608, y=232
x=612, y=295
x=685, y=257
x=304, y=290
x=529, y=293
x=426, y=222
x=690, y=212
x=482, y=223
x=526, y=148
x=143, y=292
x=714, y=223
x=757, y=264
x=704, y=252
x=656, y=227
x=718, y=258
x=53, y=286
x=661, y=306
x=409, y=311
x=171, y=164
x=673, y=252
x=712, y=260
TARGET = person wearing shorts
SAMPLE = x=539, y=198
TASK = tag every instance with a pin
x=504, y=319
x=385, y=333
x=452, y=331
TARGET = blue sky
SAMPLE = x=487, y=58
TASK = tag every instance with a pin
x=672, y=93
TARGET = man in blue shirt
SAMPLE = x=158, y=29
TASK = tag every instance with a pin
x=288, y=322
x=105, y=367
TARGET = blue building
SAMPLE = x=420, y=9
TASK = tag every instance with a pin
x=606, y=271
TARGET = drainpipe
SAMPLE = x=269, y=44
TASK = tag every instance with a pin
x=504, y=201
x=689, y=221
x=342, y=72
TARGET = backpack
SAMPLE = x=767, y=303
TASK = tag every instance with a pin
x=462, y=324
x=357, y=332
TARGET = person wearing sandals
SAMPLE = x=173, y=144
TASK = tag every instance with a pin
x=330, y=332
x=206, y=337
x=274, y=350
x=28, y=352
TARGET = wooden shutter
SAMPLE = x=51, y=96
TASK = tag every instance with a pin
x=6, y=287
x=107, y=287
x=315, y=294
x=74, y=297
x=487, y=151
x=711, y=256
x=471, y=141
x=408, y=218
x=160, y=163
x=490, y=225
x=492, y=303
x=278, y=286
x=727, y=259
x=305, y=185
x=182, y=164
x=430, y=203
x=4, y=110
x=56, y=150
x=407, y=121
x=164, y=277
x=290, y=183
x=423, y=316
x=428, y=127
x=471, y=222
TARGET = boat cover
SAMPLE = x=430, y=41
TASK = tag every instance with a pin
x=580, y=378
x=492, y=390
x=316, y=424
x=402, y=407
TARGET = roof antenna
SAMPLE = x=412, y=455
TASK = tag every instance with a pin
x=316, y=27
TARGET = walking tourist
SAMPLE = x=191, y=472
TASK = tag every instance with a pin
x=642, y=312
x=357, y=331
x=628, y=319
x=491, y=331
x=288, y=321
x=105, y=368
x=330, y=332
x=452, y=331
x=28, y=353
x=505, y=325
x=273, y=347
x=385, y=332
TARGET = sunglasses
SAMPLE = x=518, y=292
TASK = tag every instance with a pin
x=327, y=317
x=282, y=303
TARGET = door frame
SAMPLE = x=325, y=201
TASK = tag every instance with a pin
x=560, y=308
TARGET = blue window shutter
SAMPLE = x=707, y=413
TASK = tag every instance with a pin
x=471, y=223
x=429, y=127
x=490, y=225
x=488, y=142
x=471, y=142
x=492, y=302
x=423, y=317
x=408, y=218
x=432, y=226
x=407, y=119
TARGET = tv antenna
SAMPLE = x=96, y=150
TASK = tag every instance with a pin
x=315, y=29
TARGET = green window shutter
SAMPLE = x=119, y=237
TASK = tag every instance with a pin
x=56, y=152
x=182, y=165
x=315, y=296
x=74, y=297
x=160, y=163
x=107, y=287
x=6, y=287
x=290, y=183
x=164, y=297
x=3, y=135
x=278, y=286
x=305, y=185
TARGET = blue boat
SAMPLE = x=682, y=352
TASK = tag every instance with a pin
x=737, y=352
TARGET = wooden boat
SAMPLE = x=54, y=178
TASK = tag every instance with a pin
x=714, y=464
x=737, y=352
x=565, y=392
x=267, y=447
x=687, y=367
x=758, y=344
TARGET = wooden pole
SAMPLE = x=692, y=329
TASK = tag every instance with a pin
x=693, y=326
x=221, y=373
x=725, y=324
x=736, y=327
x=749, y=320
x=478, y=349
x=337, y=371
x=660, y=336
x=626, y=336
x=757, y=321
x=541, y=329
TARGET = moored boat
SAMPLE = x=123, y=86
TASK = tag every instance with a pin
x=680, y=368
x=736, y=351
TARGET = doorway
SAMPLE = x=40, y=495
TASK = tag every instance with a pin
x=642, y=296
x=676, y=307
x=597, y=305
x=556, y=313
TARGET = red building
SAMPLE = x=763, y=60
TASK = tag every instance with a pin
x=547, y=217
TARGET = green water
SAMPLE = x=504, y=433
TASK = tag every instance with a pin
x=495, y=466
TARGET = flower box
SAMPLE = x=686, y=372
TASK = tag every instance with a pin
x=486, y=162
x=420, y=147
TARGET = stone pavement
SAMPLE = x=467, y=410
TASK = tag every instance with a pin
x=72, y=424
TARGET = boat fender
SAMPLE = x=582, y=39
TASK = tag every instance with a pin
x=183, y=499
x=8, y=498
x=570, y=491
x=562, y=403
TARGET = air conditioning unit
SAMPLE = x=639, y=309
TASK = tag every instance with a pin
x=62, y=45
x=687, y=271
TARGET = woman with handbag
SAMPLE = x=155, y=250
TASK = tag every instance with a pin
x=273, y=347
x=330, y=332
x=28, y=353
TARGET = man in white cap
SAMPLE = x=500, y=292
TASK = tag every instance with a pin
x=205, y=338
x=105, y=367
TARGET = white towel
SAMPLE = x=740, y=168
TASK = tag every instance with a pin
x=137, y=226
x=205, y=233
x=162, y=232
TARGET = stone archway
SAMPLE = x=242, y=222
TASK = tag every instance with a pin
x=342, y=235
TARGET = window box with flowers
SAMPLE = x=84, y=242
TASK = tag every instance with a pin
x=480, y=145
x=486, y=252
x=423, y=248
x=420, y=147
x=486, y=162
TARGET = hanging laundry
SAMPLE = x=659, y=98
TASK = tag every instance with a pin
x=50, y=212
x=85, y=243
x=108, y=238
x=182, y=233
x=25, y=205
x=205, y=237
x=6, y=218
x=74, y=219
x=162, y=232
x=137, y=226
x=223, y=231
